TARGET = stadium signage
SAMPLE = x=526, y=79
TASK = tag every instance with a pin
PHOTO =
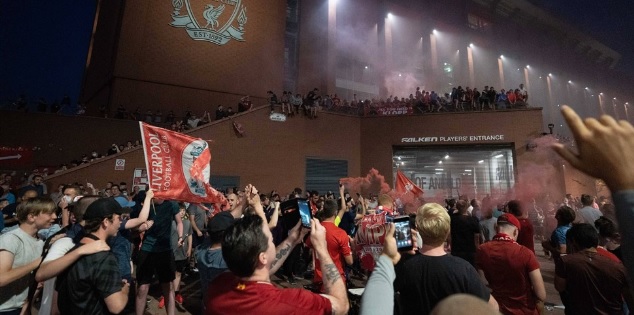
x=473, y=138
x=217, y=22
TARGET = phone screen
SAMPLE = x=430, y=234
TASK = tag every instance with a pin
x=304, y=212
x=403, y=233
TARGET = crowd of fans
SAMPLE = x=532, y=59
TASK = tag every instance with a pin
x=84, y=244
x=64, y=107
x=419, y=102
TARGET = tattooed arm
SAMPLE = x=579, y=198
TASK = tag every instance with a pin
x=334, y=286
x=295, y=236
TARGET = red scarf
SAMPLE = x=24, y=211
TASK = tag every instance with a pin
x=503, y=238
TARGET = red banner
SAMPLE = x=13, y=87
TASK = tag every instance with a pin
x=369, y=239
x=394, y=110
x=178, y=166
x=404, y=185
x=15, y=157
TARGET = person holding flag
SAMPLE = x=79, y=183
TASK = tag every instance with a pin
x=178, y=170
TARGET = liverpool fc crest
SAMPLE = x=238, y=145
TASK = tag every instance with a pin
x=216, y=22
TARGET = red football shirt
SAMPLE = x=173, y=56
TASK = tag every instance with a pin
x=338, y=247
x=227, y=294
x=605, y=253
x=506, y=266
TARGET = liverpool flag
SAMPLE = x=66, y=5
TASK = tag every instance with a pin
x=178, y=166
x=404, y=185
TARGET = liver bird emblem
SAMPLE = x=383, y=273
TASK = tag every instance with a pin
x=212, y=14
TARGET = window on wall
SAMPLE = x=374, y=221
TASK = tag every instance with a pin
x=323, y=175
x=478, y=23
x=450, y=171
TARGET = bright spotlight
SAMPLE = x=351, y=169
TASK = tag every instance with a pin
x=434, y=31
x=569, y=81
x=481, y=161
x=550, y=74
x=471, y=45
x=446, y=156
x=528, y=66
x=501, y=56
x=366, y=67
x=389, y=15
x=614, y=98
x=587, y=88
x=601, y=93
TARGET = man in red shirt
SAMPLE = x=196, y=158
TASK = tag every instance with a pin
x=337, y=241
x=251, y=256
x=593, y=284
x=526, y=231
x=511, y=270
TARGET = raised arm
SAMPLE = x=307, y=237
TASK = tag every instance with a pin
x=343, y=207
x=381, y=282
x=145, y=211
x=334, y=285
x=253, y=199
x=275, y=216
x=361, y=201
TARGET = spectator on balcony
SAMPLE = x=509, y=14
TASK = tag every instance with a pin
x=121, y=112
x=524, y=92
x=245, y=104
x=136, y=115
x=272, y=98
x=158, y=117
x=484, y=98
x=149, y=116
x=297, y=101
x=491, y=94
x=501, y=99
x=170, y=118
x=229, y=112
x=286, y=103
x=512, y=98
x=468, y=98
x=220, y=112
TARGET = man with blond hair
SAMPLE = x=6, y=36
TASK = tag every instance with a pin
x=426, y=277
x=21, y=250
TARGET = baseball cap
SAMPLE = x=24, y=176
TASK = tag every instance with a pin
x=508, y=218
x=103, y=208
x=220, y=222
x=124, y=202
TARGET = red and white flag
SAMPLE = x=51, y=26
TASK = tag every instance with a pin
x=178, y=166
x=404, y=185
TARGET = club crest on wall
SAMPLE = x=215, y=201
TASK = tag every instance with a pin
x=215, y=21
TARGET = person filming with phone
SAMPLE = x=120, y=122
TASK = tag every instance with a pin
x=252, y=258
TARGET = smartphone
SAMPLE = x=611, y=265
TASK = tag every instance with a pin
x=304, y=212
x=403, y=233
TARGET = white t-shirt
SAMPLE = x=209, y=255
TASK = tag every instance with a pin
x=57, y=250
x=25, y=248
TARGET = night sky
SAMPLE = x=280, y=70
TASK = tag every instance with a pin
x=44, y=43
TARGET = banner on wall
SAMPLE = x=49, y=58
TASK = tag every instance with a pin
x=178, y=166
x=15, y=157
